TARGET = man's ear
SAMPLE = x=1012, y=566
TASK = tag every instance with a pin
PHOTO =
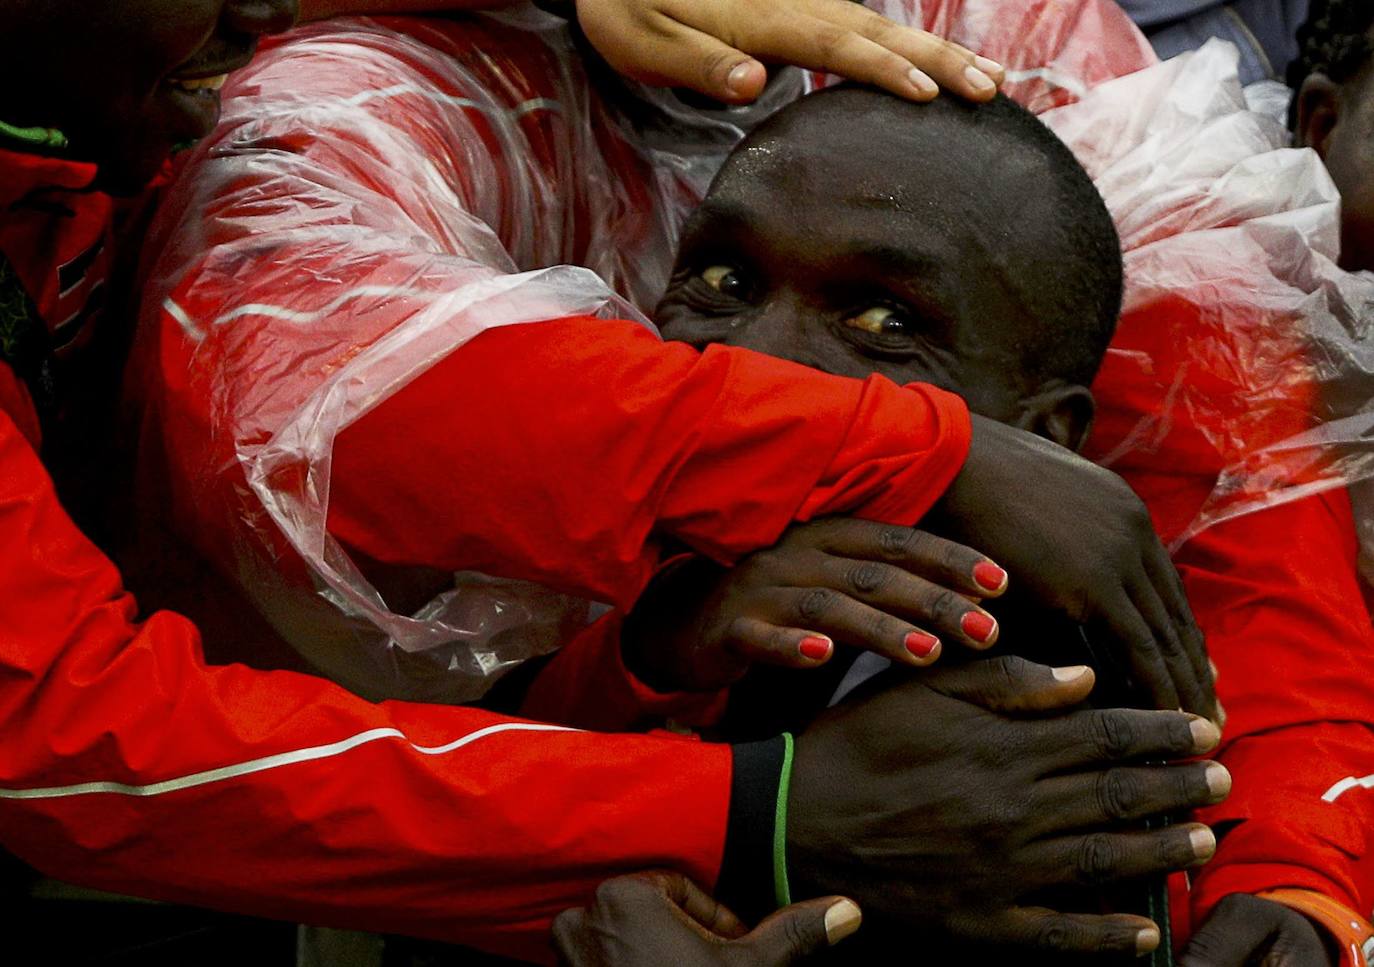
x=1060, y=412
x=1318, y=111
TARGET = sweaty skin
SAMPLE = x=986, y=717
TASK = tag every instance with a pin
x=801, y=252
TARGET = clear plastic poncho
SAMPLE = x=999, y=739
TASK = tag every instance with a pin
x=399, y=185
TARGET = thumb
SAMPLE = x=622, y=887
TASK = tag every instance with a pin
x=1011, y=684
x=794, y=933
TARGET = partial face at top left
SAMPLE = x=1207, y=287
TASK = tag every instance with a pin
x=127, y=80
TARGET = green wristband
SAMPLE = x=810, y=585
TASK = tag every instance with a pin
x=781, y=889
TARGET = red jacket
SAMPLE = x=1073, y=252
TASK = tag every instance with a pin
x=130, y=765
x=1276, y=592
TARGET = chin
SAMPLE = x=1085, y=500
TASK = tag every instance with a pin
x=128, y=172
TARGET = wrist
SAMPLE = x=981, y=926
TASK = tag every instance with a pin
x=1349, y=935
x=662, y=629
x=753, y=875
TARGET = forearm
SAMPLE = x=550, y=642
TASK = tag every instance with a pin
x=129, y=764
x=595, y=437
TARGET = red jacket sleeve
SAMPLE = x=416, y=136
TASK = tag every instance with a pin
x=130, y=765
x=1278, y=598
x=595, y=436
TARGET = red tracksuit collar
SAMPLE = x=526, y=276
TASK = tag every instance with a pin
x=22, y=173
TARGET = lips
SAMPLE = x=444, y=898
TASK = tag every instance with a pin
x=193, y=88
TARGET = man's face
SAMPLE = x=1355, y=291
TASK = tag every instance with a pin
x=824, y=250
x=126, y=80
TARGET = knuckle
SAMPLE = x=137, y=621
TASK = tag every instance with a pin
x=882, y=626
x=896, y=542
x=794, y=935
x=830, y=43
x=1113, y=734
x=1097, y=859
x=815, y=603
x=1056, y=933
x=946, y=607
x=1118, y=792
x=866, y=577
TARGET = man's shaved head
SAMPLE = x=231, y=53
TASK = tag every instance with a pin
x=951, y=242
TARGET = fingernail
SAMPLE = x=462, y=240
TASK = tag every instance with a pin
x=1212, y=666
x=1205, y=734
x=841, y=920
x=987, y=66
x=989, y=576
x=978, y=626
x=921, y=644
x=1147, y=940
x=737, y=76
x=1069, y=673
x=1218, y=781
x=1221, y=716
x=922, y=82
x=815, y=647
x=978, y=80
x=1203, y=842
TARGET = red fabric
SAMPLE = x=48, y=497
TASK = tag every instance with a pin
x=480, y=844
x=607, y=436
x=57, y=235
x=1276, y=592
x=1277, y=595
x=592, y=666
x=554, y=451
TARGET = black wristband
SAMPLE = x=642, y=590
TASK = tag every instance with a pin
x=747, y=883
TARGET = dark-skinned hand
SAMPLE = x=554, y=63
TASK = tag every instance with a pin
x=661, y=918
x=891, y=590
x=1246, y=931
x=943, y=799
x=1078, y=539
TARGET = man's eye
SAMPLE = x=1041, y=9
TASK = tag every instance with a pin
x=727, y=280
x=881, y=321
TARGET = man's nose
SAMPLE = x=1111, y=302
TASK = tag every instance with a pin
x=258, y=17
x=775, y=328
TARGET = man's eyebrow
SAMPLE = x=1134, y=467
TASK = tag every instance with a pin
x=725, y=211
x=903, y=264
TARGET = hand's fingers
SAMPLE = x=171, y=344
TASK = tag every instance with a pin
x=1009, y=684
x=1229, y=937
x=692, y=900
x=794, y=933
x=1094, y=859
x=947, y=614
x=1039, y=929
x=853, y=622
x=1129, y=632
x=1081, y=800
x=946, y=563
x=1169, y=585
x=822, y=34
x=1194, y=693
x=1117, y=735
x=661, y=51
x=952, y=66
x=756, y=640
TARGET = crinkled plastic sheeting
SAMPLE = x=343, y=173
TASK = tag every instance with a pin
x=396, y=186
x=1236, y=380
x=1242, y=372
x=1239, y=376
